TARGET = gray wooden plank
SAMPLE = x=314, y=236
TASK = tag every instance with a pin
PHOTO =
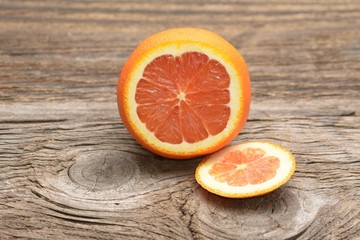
x=70, y=170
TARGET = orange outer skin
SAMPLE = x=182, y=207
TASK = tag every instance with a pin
x=178, y=35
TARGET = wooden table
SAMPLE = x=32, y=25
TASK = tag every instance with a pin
x=70, y=170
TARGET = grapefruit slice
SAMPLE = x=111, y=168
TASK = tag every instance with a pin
x=184, y=93
x=246, y=170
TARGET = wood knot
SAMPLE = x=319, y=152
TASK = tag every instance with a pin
x=101, y=171
x=282, y=214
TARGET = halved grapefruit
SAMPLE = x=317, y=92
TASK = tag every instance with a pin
x=184, y=93
x=246, y=170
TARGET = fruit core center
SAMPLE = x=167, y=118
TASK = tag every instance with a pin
x=182, y=96
x=241, y=166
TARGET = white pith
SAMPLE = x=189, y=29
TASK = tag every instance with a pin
x=284, y=171
x=184, y=147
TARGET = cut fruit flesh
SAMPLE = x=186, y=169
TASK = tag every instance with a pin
x=184, y=93
x=246, y=170
x=184, y=98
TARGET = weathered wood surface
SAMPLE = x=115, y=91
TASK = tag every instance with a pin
x=70, y=170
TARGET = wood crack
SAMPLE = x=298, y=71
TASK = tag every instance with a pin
x=187, y=214
x=33, y=121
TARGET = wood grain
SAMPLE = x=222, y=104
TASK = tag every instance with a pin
x=70, y=170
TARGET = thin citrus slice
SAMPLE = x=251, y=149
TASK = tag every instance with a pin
x=184, y=93
x=246, y=170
